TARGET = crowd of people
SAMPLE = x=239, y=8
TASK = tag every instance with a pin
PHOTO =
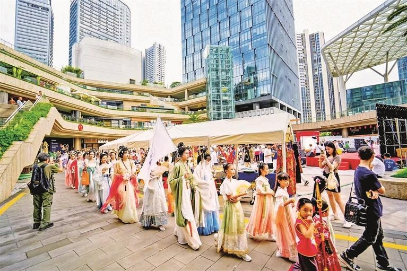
x=301, y=228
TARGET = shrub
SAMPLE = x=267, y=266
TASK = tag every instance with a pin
x=402, y=173
x=20, y=127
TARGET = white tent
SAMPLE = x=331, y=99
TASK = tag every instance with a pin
x=254, y=130
x=119, y=142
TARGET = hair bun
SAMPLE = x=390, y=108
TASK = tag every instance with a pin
x=181, y=145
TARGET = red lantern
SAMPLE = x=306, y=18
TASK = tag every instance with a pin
x=80, y=127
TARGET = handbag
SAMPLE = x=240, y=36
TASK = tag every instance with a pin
x=332, y=182
x=356, y=210
x=85, y=177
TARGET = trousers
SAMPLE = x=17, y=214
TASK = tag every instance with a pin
x=372, y=236
x=42, y=208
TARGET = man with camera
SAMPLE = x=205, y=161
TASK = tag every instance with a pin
x=368, y=188
x=42, y=187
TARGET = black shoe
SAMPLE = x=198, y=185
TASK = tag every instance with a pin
x=388, y=268
x=36, y=226
x=49, y=225
x=349, y=262
x=306, y=183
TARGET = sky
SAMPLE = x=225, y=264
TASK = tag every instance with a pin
x=160, y=20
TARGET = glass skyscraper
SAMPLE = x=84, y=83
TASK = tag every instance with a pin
x=261, y=36
x=219, y=90
x=316, y=83
x=102, y=19
x=34, y=29
x=402, y=68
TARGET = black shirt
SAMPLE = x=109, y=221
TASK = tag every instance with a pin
x=366, y=180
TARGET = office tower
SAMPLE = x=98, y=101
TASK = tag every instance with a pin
x=102, y=19
x=261, y=36
x=219, y=88
x=316, y=83
x=34, y=29
x=108, y=61
x=155, y=63
x=402, y=68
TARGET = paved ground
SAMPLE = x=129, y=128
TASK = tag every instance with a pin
x=84, y=239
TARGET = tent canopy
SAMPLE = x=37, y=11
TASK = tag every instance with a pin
x=254, y=130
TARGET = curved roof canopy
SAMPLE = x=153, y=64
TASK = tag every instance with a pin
x=364, y=44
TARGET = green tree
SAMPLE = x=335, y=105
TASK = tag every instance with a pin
x=71, y=69
x=193, y=118
x=400, y=17
x=325, y=134
x=144, y=82
x=175, y=84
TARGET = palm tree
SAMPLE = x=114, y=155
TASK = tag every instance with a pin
x=193, y=118
x=400, y=19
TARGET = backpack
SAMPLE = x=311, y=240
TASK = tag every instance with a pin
x=39, y=182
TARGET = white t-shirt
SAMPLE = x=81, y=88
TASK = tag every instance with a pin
x=214, y=158
x=378, y=167
x=268, y=159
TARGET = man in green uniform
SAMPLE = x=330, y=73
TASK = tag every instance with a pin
x=42, y=202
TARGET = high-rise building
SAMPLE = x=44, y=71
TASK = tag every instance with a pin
x=219, y=89
x=155, y=63
x=402, y=68
x=261, y=36
x=34, y=29
x=102, y=19
x=316, y=83
x=109, y=61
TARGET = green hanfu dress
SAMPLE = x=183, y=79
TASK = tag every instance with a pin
x=185, y=226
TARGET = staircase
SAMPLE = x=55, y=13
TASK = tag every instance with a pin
x=23, y=153
x=6, y=110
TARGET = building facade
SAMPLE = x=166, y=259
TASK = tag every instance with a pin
x=155, y=60
x=402, y=68
x=34, y=29
x=107, y=61
x=316, y=83
x=365, y=98
x=219, y=88
x=261, y=36
x=102, y=19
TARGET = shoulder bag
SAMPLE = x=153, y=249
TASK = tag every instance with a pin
x=356, y=210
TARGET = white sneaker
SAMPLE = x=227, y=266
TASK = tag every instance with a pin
x=278, y=254
x=246, y=258
x=161, y=228
x=271, y=238
x=335, y=217
x=347, y=225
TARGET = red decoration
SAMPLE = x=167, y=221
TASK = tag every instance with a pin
x=80, y=127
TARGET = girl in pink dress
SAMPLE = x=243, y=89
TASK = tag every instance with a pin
x=285, y=232
x=261, y=223
x=69, y=174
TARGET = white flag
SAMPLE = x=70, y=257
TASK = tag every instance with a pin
x=160, y=146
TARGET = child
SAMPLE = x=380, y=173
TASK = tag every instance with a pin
x=285, y=232
x=329, y=259
x=232, y=235
x=262, y=217
x=304, y=228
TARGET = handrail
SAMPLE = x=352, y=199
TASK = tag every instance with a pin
x=36, y=101
x=14, y=114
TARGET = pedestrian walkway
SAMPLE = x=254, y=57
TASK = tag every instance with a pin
x=84, y=239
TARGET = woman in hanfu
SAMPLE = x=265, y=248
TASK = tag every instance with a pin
x=68, y=171
x=206, y=198
x=102, y=179
x=80, y=158
x=181, y=181
x=232, y=237
x=74, y=170
x=90, y=166
x=123, y=192
x=261, y=223
x=154, y=211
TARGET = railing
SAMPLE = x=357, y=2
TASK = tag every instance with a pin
x=93, y=122
x=11, y=117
